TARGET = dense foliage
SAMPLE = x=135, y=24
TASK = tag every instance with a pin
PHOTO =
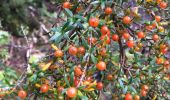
x=104, y=49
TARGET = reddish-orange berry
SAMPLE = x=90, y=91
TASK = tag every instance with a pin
x=130, y=43
x=71, y=92
x=108, y=10
x=101, y=65
x=99, y=85
x=126, y=20
x=73, y=50
x=22, y=94
x=67, y=5
x=94, y=22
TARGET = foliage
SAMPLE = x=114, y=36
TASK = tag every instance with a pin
x=132, y=64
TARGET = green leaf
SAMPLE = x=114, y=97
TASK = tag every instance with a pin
x=84, y=98
x=81, y=18
x=69, y=12
x=94, y=59
x=125, y=89
x=121, y=83
x=66, y=80
x=95, y=2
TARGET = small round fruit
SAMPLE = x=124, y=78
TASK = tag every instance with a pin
x=136, y=97
x=92, y=40
x=78, y=71
x=72, y=50
x=128, y=96
x=94, y=22
x=162, y=46
x=166, y=62
x=105, y=39
x=130, y=43
x=22, y=94
x=115, y=37
x=164, y=50
x=126, y=20
x=109, y=77
x=101, y=65
x=99, y=85
x=58, y=53
x=158, y=18
x=44, y=88
x=126, y=35
x=155, y=37
x=104, y=30
x=71, y=92
x=143, y=93
x=163, y=5
x=159, y=61
x=103, y=52
x=60, y=89
x=108, y=10
x=145, y=87
x=67, y=5
x=158, y=1
x=81, y=50
x=140, y=35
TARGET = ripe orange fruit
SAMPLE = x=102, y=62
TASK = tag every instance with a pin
x=104, y=30
x=81, y=50
x=101, y=65
x=163, y=5
x=149, y=27
x=60, y=89
x=155, y=37
x=94, y=22
x=136, y=97
x=158, y=18
x=158, y=1
x=108, y=10
x=71, y=92
x=103, y=52
x=92, y=40
x=109, y=77
x=162, y=46
x=126, y=35
x=44, y=88
x=67, y=5
x=22, y=94
x=130, y=43
x=126, y=20
x=164, y=50
x=78, y=71
x=166, y=62
x=105, y=39
x=58, y=53
x=159, y=61
x=72, y=50
x=99, y=85
x=141, y=35
x=143, y=93
x=145, y=87
x=128, y=96
x=115, y=37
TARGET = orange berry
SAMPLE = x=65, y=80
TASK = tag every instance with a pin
x=163, y=5
x=78, y=71
x=128, y=96
x=81, y=50
x=158, y=18
x=101, y=65
x=22, y=94
x=58, y=53
x=71, y=92
x=67, y=5
x=130, y=43
x=126, y=20
x=44, y=88
x=99, y=85
x=104, y=30
x=72, y=50
x=108, y=10
x=94, y=22
x=115, y=37
x=126, y=35
x=155, y=37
